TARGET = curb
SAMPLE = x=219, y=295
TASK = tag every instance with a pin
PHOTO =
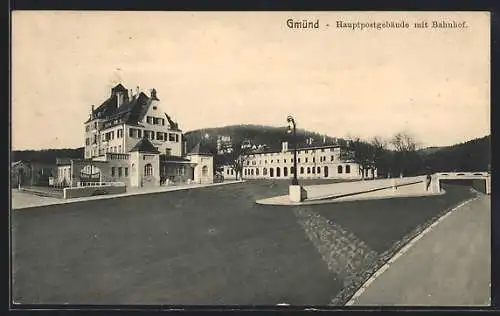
x=119, y=195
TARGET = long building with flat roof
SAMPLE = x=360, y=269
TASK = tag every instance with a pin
x=313, y=162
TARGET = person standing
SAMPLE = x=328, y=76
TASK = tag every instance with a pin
x=428, y=180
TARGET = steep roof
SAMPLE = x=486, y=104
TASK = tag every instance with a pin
x=199, y=149
x=131, y=110
x=144, y=146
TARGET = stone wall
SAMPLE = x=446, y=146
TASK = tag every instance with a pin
x=71, y=193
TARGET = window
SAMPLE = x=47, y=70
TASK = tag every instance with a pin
x=308, y=170
x=227, y=171
x=248, y=163
x=114, y=149
x=232, y=171
x=284, y=160
x=348, y=169
x=277, y=160
x=112, y=171
x=319, y=170
x=339, y=169
x=301, y=170
x=285, y=172
x=322, y=150
x=162, y=122
x=306, y=151
x=87, y=141
x=139, y=133
x=119, y=171
x=292, y=170
x=95, y=125
x=306, y=159
x=298, y=160
x=251, y=172
x=265, y=161
x=272, y=161
x=314, y=159
x=119, y=148
x=126, y=172
x=332, y=158
x=176, y=138
x=257, y=171
x=87, y=128
x=264, y=171
x=119, y=133
x=313, y=170
x=171, y=137
x=148, y=170
x=149, y=120
x=159, y=135
x=131, y=132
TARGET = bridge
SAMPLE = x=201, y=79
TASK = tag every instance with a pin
x=449, y=176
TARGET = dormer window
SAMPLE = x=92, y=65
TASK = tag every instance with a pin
x=155, y=107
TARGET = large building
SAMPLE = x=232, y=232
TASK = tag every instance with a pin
x=313, y=162
x=130, y=139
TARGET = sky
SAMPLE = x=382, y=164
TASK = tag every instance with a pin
x=222, y=68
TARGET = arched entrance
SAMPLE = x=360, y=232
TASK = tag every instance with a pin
x=271, y=172
x=326, y=172
x=278, y=172
x=285, y=171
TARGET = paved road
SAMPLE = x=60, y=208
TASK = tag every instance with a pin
x=448, y=266
x=208, y=246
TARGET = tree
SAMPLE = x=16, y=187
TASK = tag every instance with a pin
x=381, y=155
x=405, y=158
x=237, y=159
x=361, y=153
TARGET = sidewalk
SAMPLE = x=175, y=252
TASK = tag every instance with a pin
x=450, y=265
x=22, y=200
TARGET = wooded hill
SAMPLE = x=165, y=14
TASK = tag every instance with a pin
x=473, y=155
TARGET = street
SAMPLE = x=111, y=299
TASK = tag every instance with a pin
x=210, y=246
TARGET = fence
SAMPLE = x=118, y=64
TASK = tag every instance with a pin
x=99, y=184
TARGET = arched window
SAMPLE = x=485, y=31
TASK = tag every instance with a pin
x=264, y=171
x=251, y=172
x=308, y=170
x=348, y=169
x=204, y=171
x=271, y=172
x=339, y=169
x=148, y=170
x=319, y=170
x=326, y=171
x=278, y=172
x=301, y=170
x=285, y=171
x=257, y=171
x=313, y=170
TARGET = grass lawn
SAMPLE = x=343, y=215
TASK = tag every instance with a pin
x=201, y=246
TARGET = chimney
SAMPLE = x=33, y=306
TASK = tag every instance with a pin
x=119, y=99
x=284, y=146
x=153, y=94
x=137, y=90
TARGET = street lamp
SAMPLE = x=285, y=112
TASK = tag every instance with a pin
x=292, y=129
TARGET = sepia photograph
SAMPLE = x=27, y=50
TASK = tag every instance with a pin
x=250, y=158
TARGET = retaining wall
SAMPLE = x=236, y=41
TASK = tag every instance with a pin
x=70, y=193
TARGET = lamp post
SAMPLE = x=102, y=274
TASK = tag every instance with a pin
x=292, y=129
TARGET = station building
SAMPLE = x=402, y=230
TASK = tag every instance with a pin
x=313, y=162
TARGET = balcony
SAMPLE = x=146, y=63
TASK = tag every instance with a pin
x=117, y=156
